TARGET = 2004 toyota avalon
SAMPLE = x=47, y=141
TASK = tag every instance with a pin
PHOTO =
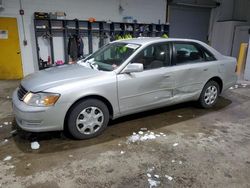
x=121, y=78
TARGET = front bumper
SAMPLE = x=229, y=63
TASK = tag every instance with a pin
x=38, y=119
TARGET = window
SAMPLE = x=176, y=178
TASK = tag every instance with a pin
x=191, y=53
x=112, y=55
x=208, y=56
x=154, y=56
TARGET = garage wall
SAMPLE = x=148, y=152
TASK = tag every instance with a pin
x=147, y=11
x=233, y=12
x=230, y=10
x=200, y=17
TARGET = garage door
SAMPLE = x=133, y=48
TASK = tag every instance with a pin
x=189, y=22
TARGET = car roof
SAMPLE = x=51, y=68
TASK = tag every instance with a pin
x=148, y=40
x=143, y=41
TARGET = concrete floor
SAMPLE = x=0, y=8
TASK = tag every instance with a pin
x=213, y=147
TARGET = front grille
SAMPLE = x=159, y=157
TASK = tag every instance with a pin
x=21, y=93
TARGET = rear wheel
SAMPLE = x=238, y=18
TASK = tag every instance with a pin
x=209, y=94
x=88, y=119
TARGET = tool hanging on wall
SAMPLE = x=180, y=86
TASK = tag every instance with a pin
x=75, y=47
x=46, y=35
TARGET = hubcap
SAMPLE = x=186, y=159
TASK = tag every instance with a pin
x=211, y=95
x=89, y=120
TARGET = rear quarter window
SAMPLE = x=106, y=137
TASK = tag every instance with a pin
x=208, y=55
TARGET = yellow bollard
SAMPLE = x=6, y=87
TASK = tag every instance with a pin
x=242, y=59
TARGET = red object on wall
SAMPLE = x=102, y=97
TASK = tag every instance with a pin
x=49, y=60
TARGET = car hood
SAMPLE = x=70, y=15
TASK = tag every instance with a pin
x=56, y=76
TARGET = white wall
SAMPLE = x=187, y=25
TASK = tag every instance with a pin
x=147, y=11
x=228, y=10
x=247, y=67
x=222, y=12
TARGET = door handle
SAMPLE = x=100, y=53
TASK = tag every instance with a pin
x=205, y=69
x=18, y=52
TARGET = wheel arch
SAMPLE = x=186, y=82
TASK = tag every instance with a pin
x=98, y=97
x=218, y=80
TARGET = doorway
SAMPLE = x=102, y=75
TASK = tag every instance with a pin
x=10, y=53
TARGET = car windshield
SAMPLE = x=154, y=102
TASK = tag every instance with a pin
x=110, y=57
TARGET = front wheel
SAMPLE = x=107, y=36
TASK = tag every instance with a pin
x=209, y=94
x=88, y=118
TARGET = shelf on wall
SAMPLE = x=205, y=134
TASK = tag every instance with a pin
x=66, y=27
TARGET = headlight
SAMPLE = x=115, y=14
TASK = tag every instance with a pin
x=41, y=99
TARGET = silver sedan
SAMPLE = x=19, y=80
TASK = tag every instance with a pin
x=121, y=78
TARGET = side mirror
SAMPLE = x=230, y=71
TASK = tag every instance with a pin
x=133, y=67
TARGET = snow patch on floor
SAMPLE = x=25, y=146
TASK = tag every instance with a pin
x=169, y=177
x=156, y=176
x=13, y=131
x=35, y=145
x=153, y=183
x=12, y=166
x=243, y=85
x=154, y=179
x=175, y=144
x=7, y=158
x=140, y=132
x=143, y=136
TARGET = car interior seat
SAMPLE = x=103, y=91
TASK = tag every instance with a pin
x=159, y=59
x=195, y=56
x=182, y=56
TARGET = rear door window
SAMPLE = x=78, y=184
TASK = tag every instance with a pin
x=186, y=53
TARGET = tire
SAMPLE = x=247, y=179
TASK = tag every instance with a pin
x=88, y=119
x=209, y=95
